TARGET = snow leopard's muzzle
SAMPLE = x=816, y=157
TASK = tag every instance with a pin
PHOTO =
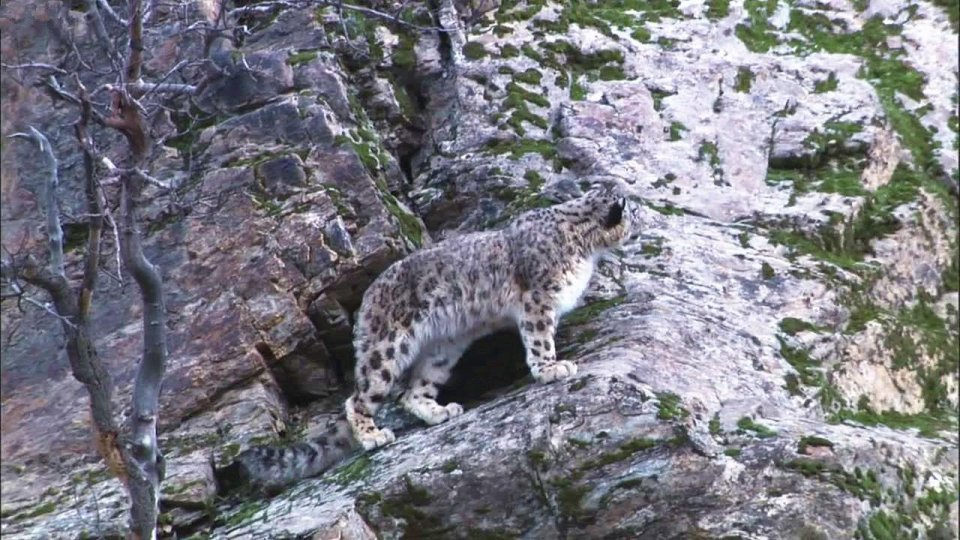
x=632, y=213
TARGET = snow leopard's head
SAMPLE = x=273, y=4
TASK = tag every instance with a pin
x=607, y=216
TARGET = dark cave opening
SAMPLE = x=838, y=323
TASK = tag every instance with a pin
x=405, y=159
x=491, y=365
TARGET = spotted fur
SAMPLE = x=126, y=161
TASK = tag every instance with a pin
x=422, y=313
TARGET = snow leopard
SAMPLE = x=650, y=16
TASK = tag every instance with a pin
x=419, y=316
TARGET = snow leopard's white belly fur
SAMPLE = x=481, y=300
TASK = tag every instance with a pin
x=579, y=279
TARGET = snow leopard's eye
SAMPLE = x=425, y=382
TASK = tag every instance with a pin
x=615, y=214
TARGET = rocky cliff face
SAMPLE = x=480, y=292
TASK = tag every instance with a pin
x=776, y=358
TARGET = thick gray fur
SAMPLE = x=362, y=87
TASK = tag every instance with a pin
x=269, y=469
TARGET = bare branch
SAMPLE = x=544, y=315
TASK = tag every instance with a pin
x=116, y=240
x=265, y=7
x=148, y=11
x=382, y=16
x=105, y=7
x=135, y=57
x=142, y=88
x=51, y=204
x=46, y=307
x=95, y=204
x=34, y=65
x=153, y=181
x=270, y=6
x=93, y=15
x=58, y=92
x=17, y=292
x=139, y=174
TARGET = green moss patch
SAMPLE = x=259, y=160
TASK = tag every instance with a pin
x=827, y=85
x=747, y=424
x=714, y=425
x=676, y=131
x=369, y=148
x=667, y=209
x=509, y=51
x=833, y=140
x=717, y=9
x=767, y=271
x=808, y=370
x=653, y=248
x=354, y=471
x=573, y=64
x=812, y=440
x=888, y=74
x=474, y=50
x=38, y=510
x=529, y=76
x=757, y=34
x=604, y=15
x=928, y=424
x=862, y=485
x=517, y=149
x=708, y=152
x=744, y=80
x=409, y=507
x=245, y=513
x=302, y=57
x=658, y=97
x=625, y=451
x=521, y=200
x=590, y=311
x=793, y=326
x=410, y=225
x=670, y=408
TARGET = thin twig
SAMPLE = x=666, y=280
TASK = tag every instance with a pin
x=22, y=296
x=141, y=174
x=145, y=88
x=58, y=92
x=46, y=307
x=34, y=65
x=149, y=179
x=111, y=13
x=116, y=239
x=162, y=86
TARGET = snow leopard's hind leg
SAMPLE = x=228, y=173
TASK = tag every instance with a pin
x=431, y=370
x=379, y=365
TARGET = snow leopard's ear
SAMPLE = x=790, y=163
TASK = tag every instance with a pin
x=615, y=213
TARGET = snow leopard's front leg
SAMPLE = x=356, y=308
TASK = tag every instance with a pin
x=538, y=325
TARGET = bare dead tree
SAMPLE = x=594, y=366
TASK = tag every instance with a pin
x=134, y=457
x=73, y=307
x=132, y=454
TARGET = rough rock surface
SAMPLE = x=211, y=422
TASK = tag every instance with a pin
x=776, y=359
